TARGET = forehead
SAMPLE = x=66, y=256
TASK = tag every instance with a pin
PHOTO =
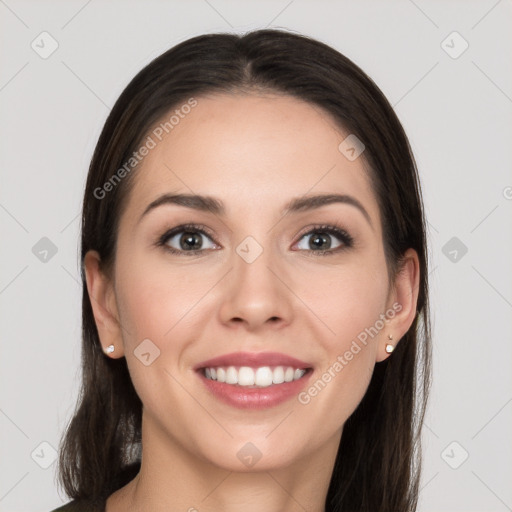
x=249, y=151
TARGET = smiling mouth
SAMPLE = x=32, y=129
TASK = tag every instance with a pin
x=259, y=377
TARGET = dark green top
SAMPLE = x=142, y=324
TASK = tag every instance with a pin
x=80, y=506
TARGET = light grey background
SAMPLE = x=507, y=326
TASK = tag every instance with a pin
x=456, y=112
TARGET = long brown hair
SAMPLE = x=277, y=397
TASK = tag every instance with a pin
x=379, y=458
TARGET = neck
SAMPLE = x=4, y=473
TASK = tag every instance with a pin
x=174, y=479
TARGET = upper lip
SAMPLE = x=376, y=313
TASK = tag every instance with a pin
x=253, y=359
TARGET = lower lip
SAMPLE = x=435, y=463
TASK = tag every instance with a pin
x=255, y=398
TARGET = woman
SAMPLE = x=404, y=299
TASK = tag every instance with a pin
x=256, y=329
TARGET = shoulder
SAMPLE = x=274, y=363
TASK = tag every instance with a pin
x=80, y=506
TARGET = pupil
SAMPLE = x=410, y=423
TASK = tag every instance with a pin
x=190, y=241
x=317, y=240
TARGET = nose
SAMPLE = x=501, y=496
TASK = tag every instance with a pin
x=255, y=294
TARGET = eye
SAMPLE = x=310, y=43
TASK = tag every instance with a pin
x=321, y=240
x=186, y=239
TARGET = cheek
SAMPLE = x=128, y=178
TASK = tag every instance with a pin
x=154, y=300
x=352, y=308
x=154, y=306
x=347, y=300
x=336, y=391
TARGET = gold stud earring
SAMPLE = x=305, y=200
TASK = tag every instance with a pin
x=389, y=346
x=109, y=349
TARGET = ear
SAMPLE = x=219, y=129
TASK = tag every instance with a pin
x=402, y=301
x=102, y=297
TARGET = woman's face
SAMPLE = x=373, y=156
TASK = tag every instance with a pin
x=263, y=279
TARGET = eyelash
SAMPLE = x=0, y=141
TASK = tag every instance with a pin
x=344, y=237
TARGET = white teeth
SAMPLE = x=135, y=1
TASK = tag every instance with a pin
x=231, y=376
x=263, y=376
x=221, y=375
x=278, y=377
x=297, y=375
x=246, y=376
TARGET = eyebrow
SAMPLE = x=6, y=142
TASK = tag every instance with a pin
x=215, y=206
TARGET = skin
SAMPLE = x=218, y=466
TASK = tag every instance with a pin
x=254, y=153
